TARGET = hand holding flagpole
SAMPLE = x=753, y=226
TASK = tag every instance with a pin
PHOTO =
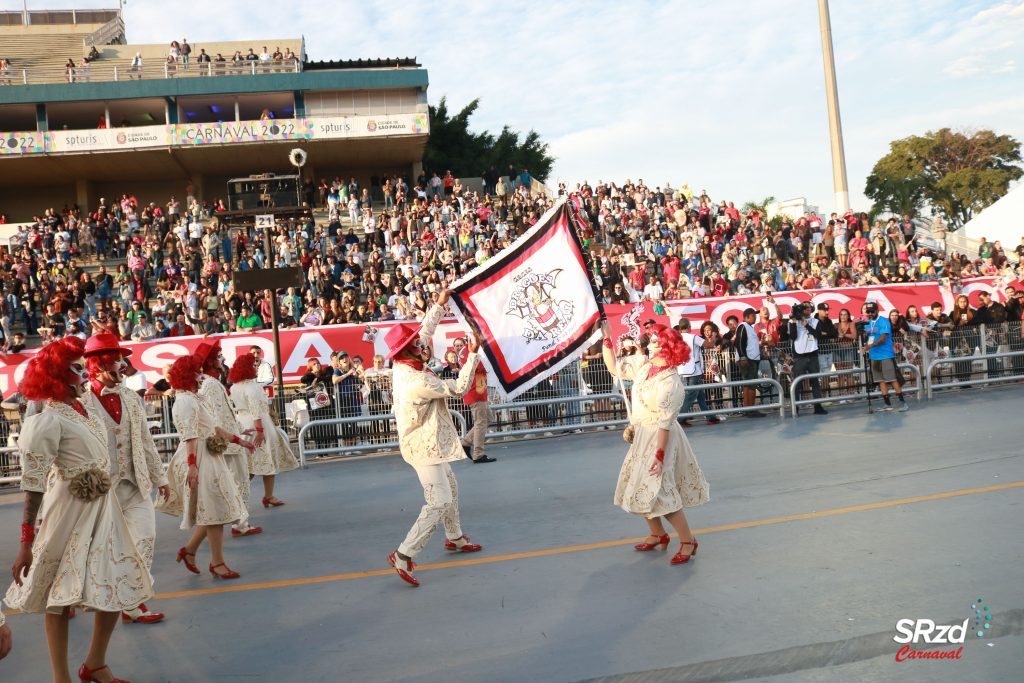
x=614, y=366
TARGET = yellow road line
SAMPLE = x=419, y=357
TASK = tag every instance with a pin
x=475, y=560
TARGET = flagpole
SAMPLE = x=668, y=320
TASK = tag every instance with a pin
x=588, y=262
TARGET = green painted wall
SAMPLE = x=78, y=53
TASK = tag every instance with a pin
x=368, y=79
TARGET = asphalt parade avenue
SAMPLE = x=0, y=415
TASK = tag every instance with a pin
x=820, y=535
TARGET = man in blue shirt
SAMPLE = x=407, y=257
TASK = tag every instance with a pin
x=883, y=357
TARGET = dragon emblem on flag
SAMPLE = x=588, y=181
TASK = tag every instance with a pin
x=533, y=300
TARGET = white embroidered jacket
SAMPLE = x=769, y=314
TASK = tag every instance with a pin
x=215, y=398
x=426, y=433
x=138, y=451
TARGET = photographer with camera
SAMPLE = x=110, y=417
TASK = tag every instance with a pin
x=880, y=350
x=804, y=329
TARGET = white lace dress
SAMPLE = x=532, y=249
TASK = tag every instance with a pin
x=274, y=455
x=656, y=402
x=83, y=555
x=215, y=399
x=217, y=499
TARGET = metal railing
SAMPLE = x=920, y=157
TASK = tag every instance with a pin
x=104, y=34
x=546, y=416
x=361, y=449
x=758, y=384
x=1000, y=375
x=99, y=71
x=795, y=387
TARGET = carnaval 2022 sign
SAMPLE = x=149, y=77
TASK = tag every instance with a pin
x=301, y=344
x=219, y=133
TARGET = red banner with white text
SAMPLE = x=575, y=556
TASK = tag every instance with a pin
x=299, y=345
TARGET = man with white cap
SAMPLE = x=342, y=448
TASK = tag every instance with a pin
x=427, y=436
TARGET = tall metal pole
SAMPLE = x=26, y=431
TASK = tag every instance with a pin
x=275, y=317
x=835, y=128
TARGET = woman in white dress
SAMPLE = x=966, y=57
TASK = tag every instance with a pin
x=204, y=490
x=272, y=453
x=660, y=475
x=83, y=555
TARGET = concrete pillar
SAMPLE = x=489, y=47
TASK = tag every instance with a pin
x=835, y=127
x=416, y=170
x=170, y=110
x=41, y=122
x=85, y=195
x=300, y=104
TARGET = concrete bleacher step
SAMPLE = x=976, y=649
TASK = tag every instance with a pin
x=44, y=55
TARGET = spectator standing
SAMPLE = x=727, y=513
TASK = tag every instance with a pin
x=748, y=356
x=476, y=399
x=692, y=373
x=186, y=52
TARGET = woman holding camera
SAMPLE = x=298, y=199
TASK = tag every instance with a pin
x=660, y=475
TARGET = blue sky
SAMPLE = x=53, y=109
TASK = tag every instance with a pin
x=727, y=96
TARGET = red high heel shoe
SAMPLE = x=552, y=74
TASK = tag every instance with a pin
x=251, y=531
x=270, y=502
x=466, y=546
x=231, y=574
x=680, y=558
x=86, y=674
x=183, y=554
x=645, y=546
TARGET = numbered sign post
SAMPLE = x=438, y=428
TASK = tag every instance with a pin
x=272, y=279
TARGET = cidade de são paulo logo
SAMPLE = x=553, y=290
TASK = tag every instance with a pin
x=925, y=632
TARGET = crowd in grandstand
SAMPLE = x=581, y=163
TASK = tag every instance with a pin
x=385, y=252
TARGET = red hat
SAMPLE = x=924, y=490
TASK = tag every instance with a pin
x=205, y=351
x=102, y=343
x=398, y=337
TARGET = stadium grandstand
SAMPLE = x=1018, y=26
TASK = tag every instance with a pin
x=83, y=113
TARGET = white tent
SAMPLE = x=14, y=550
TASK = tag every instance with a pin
x=1003, y=221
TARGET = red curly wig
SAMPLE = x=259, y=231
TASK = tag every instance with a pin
x=243, y=368
x=182, y=376
x=95, y=361
x=48, y=374
x=673, y=348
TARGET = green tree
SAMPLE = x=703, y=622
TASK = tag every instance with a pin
x=453, y=146
x=954, y=173
x=761, y=206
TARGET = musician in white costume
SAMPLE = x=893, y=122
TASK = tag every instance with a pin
x=427, y=436
x=135, y=465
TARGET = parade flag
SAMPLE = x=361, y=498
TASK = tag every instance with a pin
x=533, y=304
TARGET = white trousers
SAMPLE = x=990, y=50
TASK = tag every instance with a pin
x=441, y=493
x=139, y=514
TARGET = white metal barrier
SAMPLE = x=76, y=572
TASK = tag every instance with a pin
x=1005, y=377
x=356, y=448
x=794, y=387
